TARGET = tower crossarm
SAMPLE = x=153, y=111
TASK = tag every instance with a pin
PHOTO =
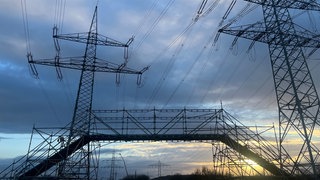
x=83, y=38
x=76, y=158
x=293, y=4
x=257, y=32
x=77, y=64
x=297, y=98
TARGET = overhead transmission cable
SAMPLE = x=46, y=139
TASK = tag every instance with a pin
x=187, y=73
x=265, y=99
x=200, y=73
x=194, y=20
x=57, y=27
x=154, y=24
x=247, y=78
x=214, y=79
x=210, y=8
x=59, y=14
x=179, y=48
x=184, y=77
x=244, y=11
x=234, y=48
x=247, y=9
x=49, y=101
x=34, y=72
x=146, y=16
x=32, y=69
x=231, y=75
x=170, y=63
x=164, y=74
x=25, y=24
x=210, y=53
x=58, y=21
x=172, y=43
x=142, y=23
x=259, y=89
x=268, y=78
x=137, y=32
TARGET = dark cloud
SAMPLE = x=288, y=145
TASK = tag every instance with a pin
x=186, y=70
x=143, y=158
x=188, y=73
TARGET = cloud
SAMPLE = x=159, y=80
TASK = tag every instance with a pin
x=186, y=69
x=142, y=157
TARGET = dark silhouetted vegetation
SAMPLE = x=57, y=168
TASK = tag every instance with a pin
x=205, y=173
x=199, y=174
x=136, y=177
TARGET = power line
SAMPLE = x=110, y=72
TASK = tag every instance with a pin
x=142, y=23
x=25, y=24
x=60, y=7
x=159, y=165
x=186, y=74
x=186, y=31
x=154, y=24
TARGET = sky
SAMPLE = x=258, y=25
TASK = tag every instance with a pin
x=185, y=69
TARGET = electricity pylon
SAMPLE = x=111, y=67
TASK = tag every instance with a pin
x=88, y=64
x=158, y=165
x=297, y=98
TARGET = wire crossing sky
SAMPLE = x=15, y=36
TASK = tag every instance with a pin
x=176, y=38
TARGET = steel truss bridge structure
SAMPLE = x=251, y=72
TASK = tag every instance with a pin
x=72, y=152
x=192, y=125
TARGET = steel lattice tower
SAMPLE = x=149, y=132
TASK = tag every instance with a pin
x=297, y=98
x=88, y=64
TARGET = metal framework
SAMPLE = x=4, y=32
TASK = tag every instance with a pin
x=229, y=162
x=193, y=125
x=81, y=163
x=297, y=98
x=159, y=165
x=71, y=152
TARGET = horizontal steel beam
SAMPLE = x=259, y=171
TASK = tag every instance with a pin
x=84, y=140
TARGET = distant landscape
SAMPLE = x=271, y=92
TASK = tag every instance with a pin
x=205, y=174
